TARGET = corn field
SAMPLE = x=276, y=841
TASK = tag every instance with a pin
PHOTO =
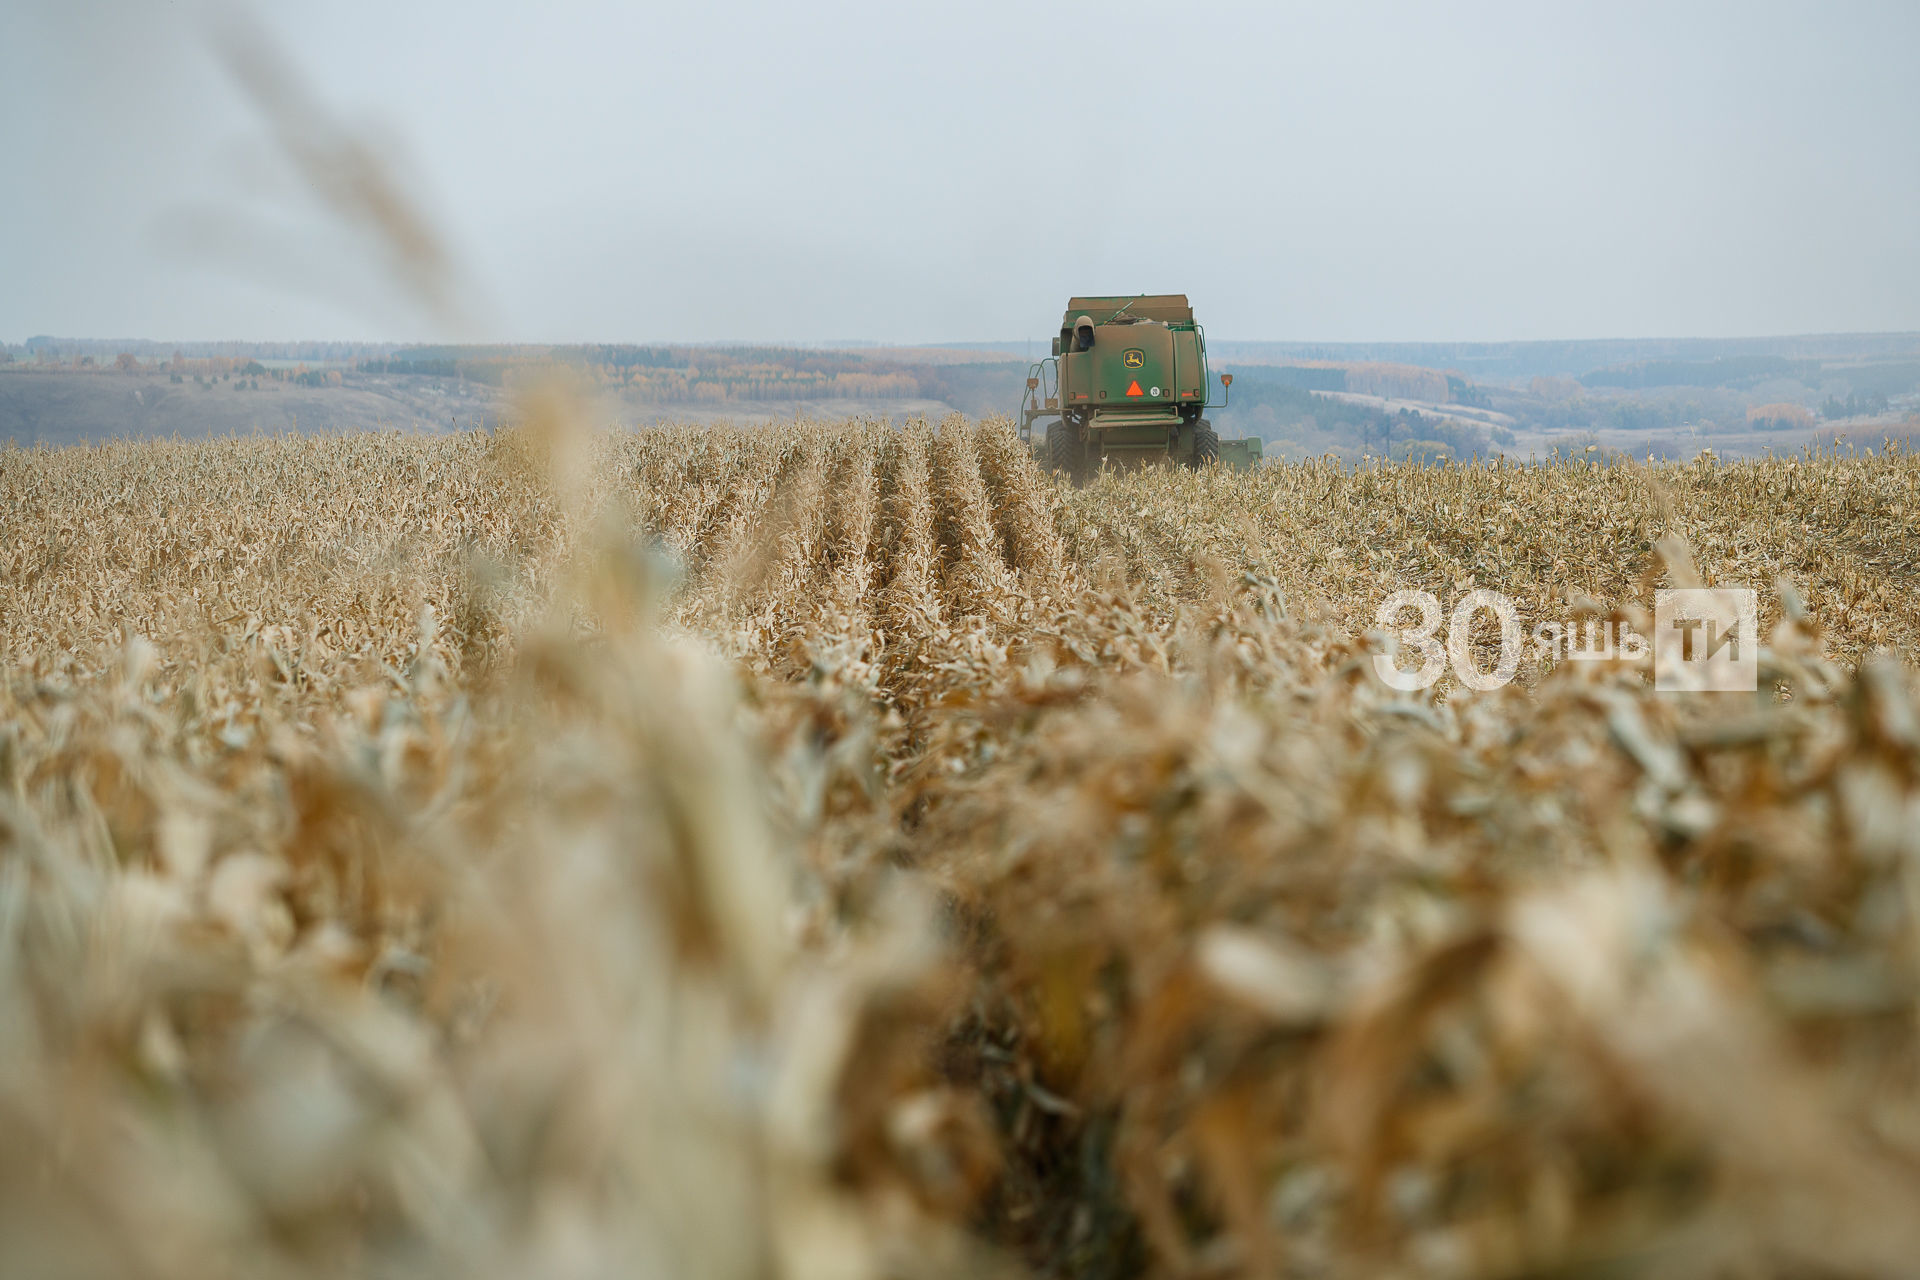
x=840, y=850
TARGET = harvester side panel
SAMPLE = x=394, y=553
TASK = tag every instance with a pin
x=1190, y=368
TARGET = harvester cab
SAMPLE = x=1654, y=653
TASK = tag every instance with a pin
x=1126, y=385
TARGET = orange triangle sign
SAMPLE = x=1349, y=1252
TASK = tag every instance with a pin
x=1134, y=390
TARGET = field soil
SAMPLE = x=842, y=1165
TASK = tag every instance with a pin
x=841, y=849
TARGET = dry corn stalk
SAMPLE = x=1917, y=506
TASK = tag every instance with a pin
x=392, y=878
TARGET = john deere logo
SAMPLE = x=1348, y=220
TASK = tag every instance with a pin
x=1134, y=358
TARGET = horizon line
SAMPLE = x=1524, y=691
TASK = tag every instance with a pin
x=950, y=343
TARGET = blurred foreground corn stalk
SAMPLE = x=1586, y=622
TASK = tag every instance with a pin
x=837, y=850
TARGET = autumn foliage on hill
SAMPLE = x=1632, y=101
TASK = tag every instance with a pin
x=1398, y=381
x=1781, y=415
x=671, y=375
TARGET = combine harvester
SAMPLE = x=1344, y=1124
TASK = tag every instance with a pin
x=1127, y=383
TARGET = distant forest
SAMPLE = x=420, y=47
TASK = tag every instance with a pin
x=1432, y=401
x=1296, y=422
x=709, y=375
x=1519, y=361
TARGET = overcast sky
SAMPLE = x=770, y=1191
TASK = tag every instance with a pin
x=920, y=173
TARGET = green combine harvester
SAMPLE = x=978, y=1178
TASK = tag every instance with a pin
x=1127, y=385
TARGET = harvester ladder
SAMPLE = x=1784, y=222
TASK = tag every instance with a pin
x=1042, y=396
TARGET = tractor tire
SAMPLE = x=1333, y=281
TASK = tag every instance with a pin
x=1206, y=445
x=1066, y=451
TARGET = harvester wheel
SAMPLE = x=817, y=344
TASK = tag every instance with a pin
x=1206, y=445
x=1066, y=452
